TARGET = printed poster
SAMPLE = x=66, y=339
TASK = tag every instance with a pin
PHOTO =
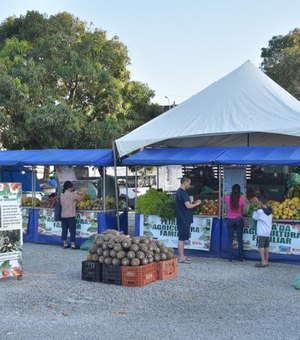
x=284, y=239
x=11, y=264
x=47, y=226
x=11, y=235
x=166, y=231
x=86, y=223
x=234, y=176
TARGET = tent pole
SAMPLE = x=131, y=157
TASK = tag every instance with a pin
x=248, y=139
x=127, y=198
x=220, y=193
x=33, y=187
x=135, y=185
x=116, y=185
x=104, y=189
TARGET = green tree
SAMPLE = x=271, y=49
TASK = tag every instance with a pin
x=281, y=61
x=64, y=84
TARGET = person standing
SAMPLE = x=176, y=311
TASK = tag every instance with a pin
x=263, y=216
x=68, y=200
x=184, y=217
x=236, y=208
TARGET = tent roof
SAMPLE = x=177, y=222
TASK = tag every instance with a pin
x=261, y=155
x=245, y=107
x=174, y=156
x=256, y=155
x=93, y=157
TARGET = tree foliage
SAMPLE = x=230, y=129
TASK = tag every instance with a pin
x=281, y=61
x=64, y=84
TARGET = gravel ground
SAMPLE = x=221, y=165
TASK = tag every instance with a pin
x=210, y=299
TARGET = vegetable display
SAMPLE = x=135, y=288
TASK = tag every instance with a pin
x=156, y=202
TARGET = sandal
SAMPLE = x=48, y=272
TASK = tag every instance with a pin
x=185, y=261
x=260, y=265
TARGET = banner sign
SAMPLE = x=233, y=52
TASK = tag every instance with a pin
x=86, y=223
x=166, y=231
x=11, y=235
x=284, y=239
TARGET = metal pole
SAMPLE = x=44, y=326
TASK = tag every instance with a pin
x=157, y=177
x=33, y=187
x=135, y=185
x=104, y=188
x=220, y=193
x=127, y=198
x=116, y=185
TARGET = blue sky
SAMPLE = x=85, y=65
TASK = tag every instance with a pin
x=178, y=47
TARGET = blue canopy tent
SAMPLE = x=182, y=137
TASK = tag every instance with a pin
x=261, y=155
x=92, y=157
x=182, y=156
x=175, y=156
x=244, y=155
x=254, y=155
x=19, y=174
x=61, y=157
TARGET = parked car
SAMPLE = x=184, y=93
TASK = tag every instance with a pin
x=132, y=192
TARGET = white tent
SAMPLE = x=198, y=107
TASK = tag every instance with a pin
x=245, y=107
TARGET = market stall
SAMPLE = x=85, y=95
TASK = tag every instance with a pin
x=39, y=224
x=267, y=170
x=157, y=209
x=273, y=172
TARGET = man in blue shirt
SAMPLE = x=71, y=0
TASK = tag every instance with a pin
x=184, y=216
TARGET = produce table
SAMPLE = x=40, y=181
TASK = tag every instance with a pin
x=39, y=225
x=205, y=233
x=284, y=245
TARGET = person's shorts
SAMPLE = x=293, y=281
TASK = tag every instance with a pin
x=184, y=233
x=263, y=241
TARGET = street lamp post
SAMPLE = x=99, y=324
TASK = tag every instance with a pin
x=168, y=102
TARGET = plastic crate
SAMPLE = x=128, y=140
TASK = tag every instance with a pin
x=91, y=271
x=167, y=269
x=111, y=274
x=139, y=276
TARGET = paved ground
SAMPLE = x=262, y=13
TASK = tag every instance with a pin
x=210, y=299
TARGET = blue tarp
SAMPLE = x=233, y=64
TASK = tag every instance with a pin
x=261, y=155
x=252, y=155
x=18, y=174
x=92, y=157
x=175, y=156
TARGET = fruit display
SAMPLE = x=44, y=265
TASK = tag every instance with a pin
x=50, y=202
x=208, y=208
x=289, y=209
x=89, y=204
x=113, y=248
x=28, y=202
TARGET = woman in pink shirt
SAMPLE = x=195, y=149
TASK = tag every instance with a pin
x=236, y=208
x=68, y=200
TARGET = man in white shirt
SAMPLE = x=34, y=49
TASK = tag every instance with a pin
x=263, y=216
